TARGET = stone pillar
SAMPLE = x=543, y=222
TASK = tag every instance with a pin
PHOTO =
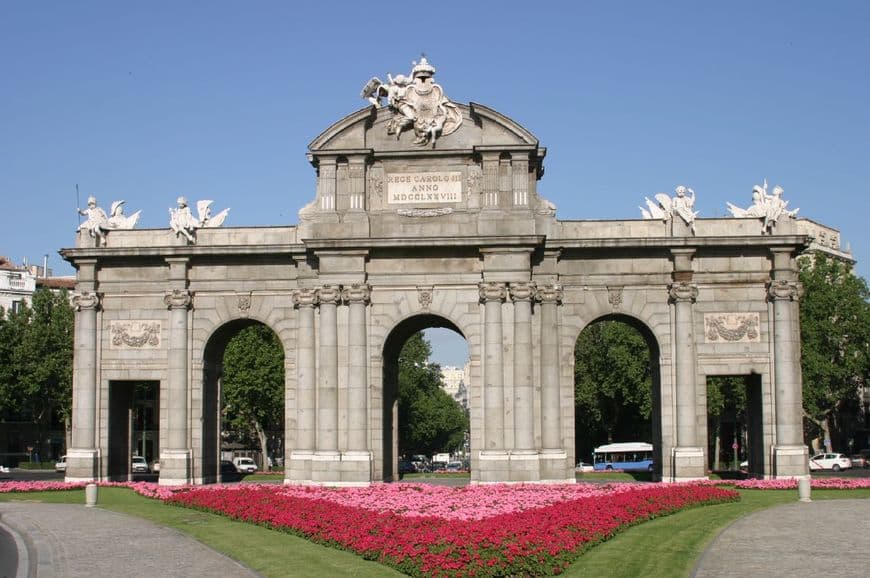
x=81, y=458
x=326, y=183
x=490, y=180
x=524, y=463
x=357, y=462
x=790, y=454
x=493, y=294
x=551, y=410
x=524, y=416
x=327, y=398
x=357, y=296
x=688, y=456
x=175, y=457
x=305, y=301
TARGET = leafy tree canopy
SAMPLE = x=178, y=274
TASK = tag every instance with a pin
x=835, y=336
x=430, y=420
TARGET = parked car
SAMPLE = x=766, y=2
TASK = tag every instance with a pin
x=860, y=461
x=245, y=465
x=829, y=461
x=60, y=465
x=139, y=465
x=584, y=467
x=155, y=467
x=453, y=467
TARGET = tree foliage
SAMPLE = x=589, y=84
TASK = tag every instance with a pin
x=36, y=360
x=612, y=385
x=429, y=419
x=253, y=383
x=835, y=337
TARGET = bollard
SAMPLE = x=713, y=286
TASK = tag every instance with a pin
x=804, y=489
x=91, y=495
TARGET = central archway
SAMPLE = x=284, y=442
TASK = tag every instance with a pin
x=393, y=346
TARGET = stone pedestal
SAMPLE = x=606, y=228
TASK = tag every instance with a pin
x=175, y=467
x=494, y=466
x=82, y=465
x=298, y=468
x=554, y=467
x=790, y=461
x=525, y=466
x=356, y=468
x=688, y=464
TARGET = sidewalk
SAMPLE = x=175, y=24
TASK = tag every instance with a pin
x=822, y=538
x=72, y=541
x=827, y=537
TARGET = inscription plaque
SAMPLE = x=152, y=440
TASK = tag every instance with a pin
x=428, y=187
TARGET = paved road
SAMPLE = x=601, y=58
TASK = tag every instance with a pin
x=72, y=541
x=822, y=538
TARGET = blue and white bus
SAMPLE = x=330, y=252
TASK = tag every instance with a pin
x=626, y=456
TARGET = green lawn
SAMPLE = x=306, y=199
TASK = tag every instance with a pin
x=664, y=547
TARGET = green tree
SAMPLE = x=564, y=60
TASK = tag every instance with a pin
x=612, y=385
x=429, y=419
x=36, y=360
x=835, y=337
x=253, y=383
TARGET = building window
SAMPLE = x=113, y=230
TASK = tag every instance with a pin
x=16, y=306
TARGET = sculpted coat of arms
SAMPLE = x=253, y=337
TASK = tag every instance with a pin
x=416, y=103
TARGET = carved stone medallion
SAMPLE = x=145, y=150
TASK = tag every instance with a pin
x=134, y=334
x=424, y=296
x=732, y=327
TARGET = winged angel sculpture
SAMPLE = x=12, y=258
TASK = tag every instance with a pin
x=182, y=221
x=682, y=204
x=768, y=207
x=416, y=103
x=99, y=224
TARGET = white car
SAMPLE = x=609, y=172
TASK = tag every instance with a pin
x=60, y=465
x=245, y=465
x=833, y=462
x=139, y=465
x=584, y=467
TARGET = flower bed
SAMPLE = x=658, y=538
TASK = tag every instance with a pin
x=519, y=537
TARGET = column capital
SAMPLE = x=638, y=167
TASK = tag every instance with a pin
x=490, y=291
x=330, y=294
x=356, y=293
x=305, y=298
x=549, y=293
x=522, y=291
x=178, y=299
x=86, y=300
x=683, y=292
x=784, y=290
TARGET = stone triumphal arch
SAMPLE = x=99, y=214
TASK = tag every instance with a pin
x=427, y=214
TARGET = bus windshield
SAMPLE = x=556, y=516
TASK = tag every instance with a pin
x=627, y=456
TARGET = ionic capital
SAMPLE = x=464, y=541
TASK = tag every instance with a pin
x=522, y=291
x=329, y=295
x=305, y=298
x=492, y=292
x=178, y=299
x=86, y=300
x=784, y=290
x=549, y=293
x=356, y=293
x=683, y=292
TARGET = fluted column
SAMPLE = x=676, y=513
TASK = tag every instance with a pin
x=551, y=426
x=493, y=294
x=178, y=301
x=786, y=352
x=327, y=404
x=357, y=297
x=84, y=411
x=524, y=415
x=683, y=295
x=305, y=301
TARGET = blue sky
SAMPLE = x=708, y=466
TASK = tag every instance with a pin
x=219, y=100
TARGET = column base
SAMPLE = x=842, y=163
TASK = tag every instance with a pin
x=493, y=466
x=790, y=461
x=175, y=468
x=298, y=467
x=687, y=464
x=525, y=466
x=330, y=468
x=556, y=468
x=82, y=465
